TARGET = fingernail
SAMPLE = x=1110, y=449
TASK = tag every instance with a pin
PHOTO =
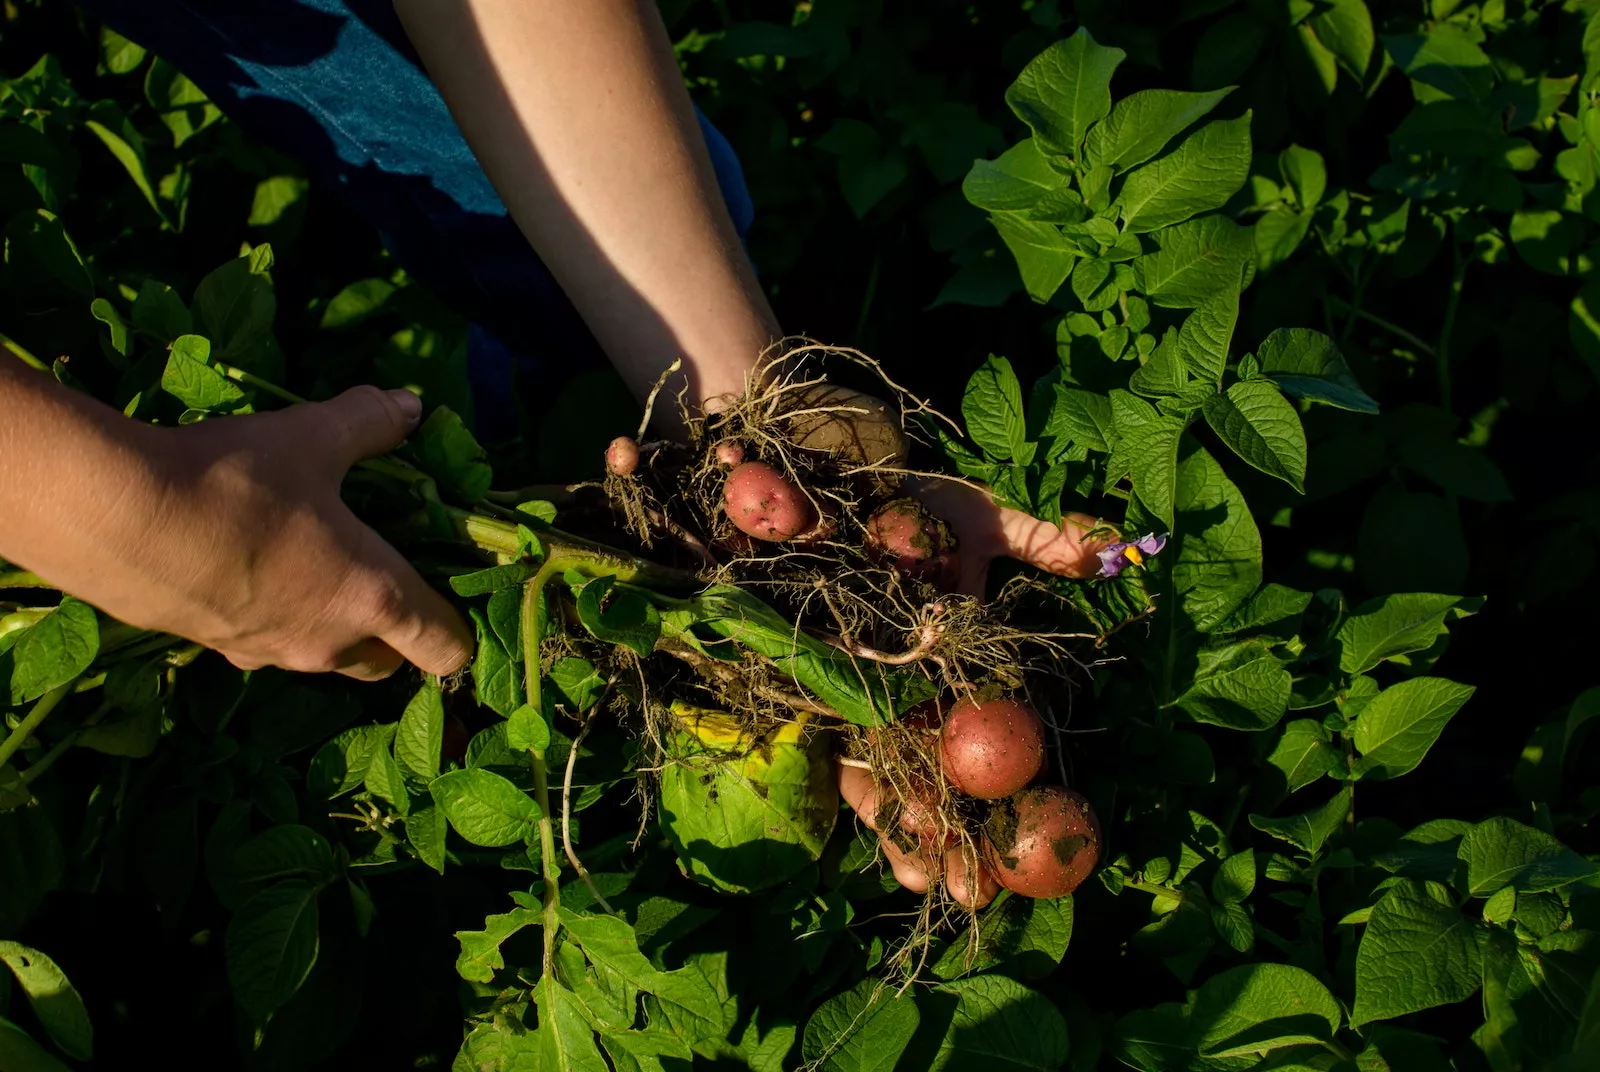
x=409, y=404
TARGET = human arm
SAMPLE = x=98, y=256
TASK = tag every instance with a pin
x=579, y=116
x=230, y=533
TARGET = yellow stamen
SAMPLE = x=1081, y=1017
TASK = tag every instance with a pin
x=1132, y=555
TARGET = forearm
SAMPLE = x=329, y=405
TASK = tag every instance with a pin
x=578, y=114
x=74, y=476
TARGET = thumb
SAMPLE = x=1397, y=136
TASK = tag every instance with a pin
x=363, y=422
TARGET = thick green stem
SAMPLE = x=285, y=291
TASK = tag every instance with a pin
x=1151, y=888
x=532, y=637
x=33, y=720
x=1387, y=325
x=21, y=353
x=239, y=375
x=572, y=552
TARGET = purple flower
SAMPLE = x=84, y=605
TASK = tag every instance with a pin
x=1120, y=554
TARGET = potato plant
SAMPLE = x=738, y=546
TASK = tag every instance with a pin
x=735, y=779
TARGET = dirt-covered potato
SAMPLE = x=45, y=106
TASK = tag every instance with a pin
x=1042, y=842
x=857, y=428
x=622, y=456
x=763, y=503
x=903, y=534
x=991, y=748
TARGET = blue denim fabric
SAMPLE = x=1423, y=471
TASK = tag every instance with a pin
x=336, y=85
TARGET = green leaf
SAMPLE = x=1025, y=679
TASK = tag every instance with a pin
x=864, y=1029
x=1310, y=830
x=286, y=851
x=1204, y=337
x=1255, y=1009
x=1014, y=182
x=234, y=307
x=54, y=1000
x=745, y=814
x=1304, y=753
x=1196, y=260
x=276, y=196
x=566, y=1041
x=1026, y=937
x=1235, y=879
x=496, y=676
x=1418, y=951
x=1395, y=730
x=1065, y=90
x=1201, y=174
x=1216, y=564
x=1305, y=173
x=447, y=452
x=1083, y=417
x=107, y=314
x=272, y=946
x=1271, y=604
x=160, y=312
x=609, y=942
x=1388, y=626
x=627, y=618
x=1148, y=443
x=480, y=955
x=1044, y=256
x=1502, y=852
x=1344, y=28
x=579, y=683
x=1000, y=1024
x=426, y=830
x=1445, y=58
x=485, y=808
x=54, y=650
x=341, y=765
x=1255, y=421
x=120, y=56
x=191, y=378
x=386, y=781
x=357, y=302
x=1307, y=364
x=493, y=579
x=420, y=736
x=1142, y=123
x=1239, y=686
x=19, y=1053
x=527, y=731
x=993, y=409
x=117, y=134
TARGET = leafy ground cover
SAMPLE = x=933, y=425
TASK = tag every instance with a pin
x=1306, y=287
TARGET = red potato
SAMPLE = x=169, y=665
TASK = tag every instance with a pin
x=991, y=749
x=1043, y=842
x=914, y=542
x=730, y=452
x=763, y=503
x=622, y=456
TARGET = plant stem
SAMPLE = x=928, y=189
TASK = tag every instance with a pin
x=22, y=579
x=1387, y=325
x=1151, y=888
x=532, y=635
x=22, y=354
x=1452, y=304
x=33, y=720
x=239, y=375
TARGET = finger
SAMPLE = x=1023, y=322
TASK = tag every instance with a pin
x=968, y=882
x=363, y=422
x=243, y=661
x=1063, y=550
x=911, y=869
x=862, y=792
x=408, y=615
x=370, y=660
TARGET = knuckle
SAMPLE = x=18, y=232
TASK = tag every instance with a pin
x=311, y=661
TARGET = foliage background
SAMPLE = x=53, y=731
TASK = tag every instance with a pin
x=856, y=123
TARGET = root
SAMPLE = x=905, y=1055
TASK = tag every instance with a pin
x=566, y=815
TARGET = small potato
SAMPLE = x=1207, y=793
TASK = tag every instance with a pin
x=1043, y=842
x=914, y=542
x=622, y=456
x=730, y=452
x=763, y=503
x=856, y=428
x=991, y=749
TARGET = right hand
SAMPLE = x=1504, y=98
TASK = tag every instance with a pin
x=247, y=547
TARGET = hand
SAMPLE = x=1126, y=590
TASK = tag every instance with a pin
x=231, y=533
x=918, y=869
x=986, y=531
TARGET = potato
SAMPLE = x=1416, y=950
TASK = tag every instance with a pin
x=622, y=456
x=730, y=452
x=763, y=503
x=913, y=541
x=992, y=748
x=872, y=437
x=1042, y=842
